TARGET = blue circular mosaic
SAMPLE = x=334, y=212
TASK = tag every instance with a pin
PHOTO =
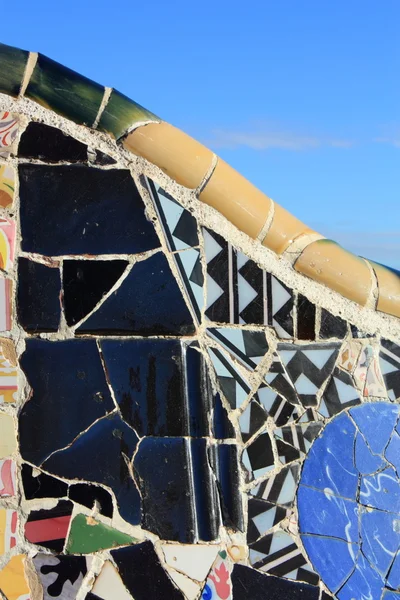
x=349, y=503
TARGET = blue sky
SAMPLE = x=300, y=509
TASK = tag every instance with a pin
x=301, y=96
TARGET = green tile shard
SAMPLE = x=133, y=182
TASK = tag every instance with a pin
x=13, y=62
x=67, y=93
x=121, y=114
x=88, y=535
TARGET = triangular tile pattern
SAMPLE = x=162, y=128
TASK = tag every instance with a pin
x=262, y=516
x=277, y=406
x=251, y=420
x=240, y=292
x=179, y=225
x=299, y=437
x=258, y=457
x=249, y=347
x=191, y=271
x=233, y=386
x=339, y=394
x=308, y=366
x=390, y=367
x=278, y=554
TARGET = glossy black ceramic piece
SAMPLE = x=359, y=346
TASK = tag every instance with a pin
x=148, y=302
x=50, y=144
x=42, y=485
x=305, y=319
x=331, y=326
x=177, y=488
x=13, y=62
x=249, y=584
x=85, y=282
x=225, y=464
x=91, y=495
x=69, y=392
x=223, y=428
x=87, y=211
x=66, y=92
x=38, y=296
x=100, y=455
x=143, y=574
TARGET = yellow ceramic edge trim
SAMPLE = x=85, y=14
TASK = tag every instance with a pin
x=388, y=289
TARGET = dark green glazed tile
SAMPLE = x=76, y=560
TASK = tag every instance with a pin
x=12, y=61
x=64, y=91
x=121, y=113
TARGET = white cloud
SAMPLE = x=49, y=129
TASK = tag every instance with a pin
x=266, y=137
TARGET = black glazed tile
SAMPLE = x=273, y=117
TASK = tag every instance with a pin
x=69, y=392
x=61, y=576
x=249, y=347
x=148, y=383
x=179, y=225
x=280, y=304
x=52, y=529
x=279, y=381
x=190, y=269
x=249, y=584
x=286, y=452
x=98, y=211
x=171, y=509
x=223, y=428
x=13, y=62
x=100, y=455
x=331, y=326
x=85, y=282
x=225, y=463
x=217, y=252
x=148, y=302
x=358, y=333
x=50, y=144
x=143, y=574
x=42, y=485
x=251, y=420
x=103, y=159
x=258, y=457
x=38, y=296
x=250, y=291
x=277, y=406
x=199, y=393
x=88, y=495
x=233, y=386
x=66, y=92
x=305, y=319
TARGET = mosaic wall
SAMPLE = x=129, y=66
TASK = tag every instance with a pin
x=177, y=422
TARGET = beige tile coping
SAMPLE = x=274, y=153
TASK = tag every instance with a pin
x=388, y=289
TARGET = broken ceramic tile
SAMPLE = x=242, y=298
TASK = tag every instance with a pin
x=218, y=585
x=191, y=271
x=7, y=243
x=8, y=374
x=251, y=284
x=88, y=535
x=38, y=297
x=5, y=304
x=7, y=185
x=119, y=226
x=262, y=516
x=222, y=426
x=8, y=530
x=340, y=393
x=298, y=436
x=278, y=554
x=225, y=464
x=92, y=496
x=279, y=381
x=102, y=455
x=69, y=392
x=161, y=386
x=390, y=368
x=171, y=509
x=61, y=576
x=8, y=441
x=9, y=126
x=179, y=225
x=308, y=366
x=279, y=488
x=324, y=552
x=189, y=588
x=331, y=326
x=249, y=347
x=306, y=312
x=13, y=581
x=251, y=420
x=50, y=144
x=49, y=527
x=40, y=485
x=8, y=471
x=258, y=457
x=142, y=573
x=109, y=585
x=233, y=386
x=280, y=304
x=85, y=282
x=217, y=253
x=249, y=584
x=148, y=302
x=276, y=406
x=195, y=561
